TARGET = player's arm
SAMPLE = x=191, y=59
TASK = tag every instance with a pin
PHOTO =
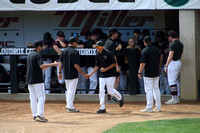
x=62, y=43
x=142, y=65
x=108, y=68
x=169, y=59
x=56, y=48
x=80, y=46
x=45, y=66
x=78, y=68
x=161, y=60
x=60, y=76
x=94, y=70
x=117, y=66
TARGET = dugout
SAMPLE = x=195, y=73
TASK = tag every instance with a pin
x=24, y=21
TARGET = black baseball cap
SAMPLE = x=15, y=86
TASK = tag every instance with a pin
x=137, y=31
x=60, y=34
x=72, y=40
x=100, y=44
x=146, y=32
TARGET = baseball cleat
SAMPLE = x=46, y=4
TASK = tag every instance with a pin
x=72, y=110
x=41, y=119
x=121, y=102
x=100, y=111
x=147, y=110
x=34, y=118
x=172, y=101
x=157, y=110
x=112, y=101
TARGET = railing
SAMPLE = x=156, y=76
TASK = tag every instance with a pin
x=14, y=54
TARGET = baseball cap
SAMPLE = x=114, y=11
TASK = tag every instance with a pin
x=137, y=31
x=60, y=34
x=160, y=34
x=72, y=40
x=146, y=32
x=99, y=44
x=75, y=35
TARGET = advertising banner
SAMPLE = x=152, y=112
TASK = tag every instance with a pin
x=19, y=28
x=178, y=4
x=68, y=5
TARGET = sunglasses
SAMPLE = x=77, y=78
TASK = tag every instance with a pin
x=99, y=47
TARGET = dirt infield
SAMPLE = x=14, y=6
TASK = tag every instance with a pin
x=15, y=116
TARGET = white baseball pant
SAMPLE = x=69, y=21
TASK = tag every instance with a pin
x=71, y=90
x=152, y=91
x=173, y=72
x=109, y=83
x=37, y=98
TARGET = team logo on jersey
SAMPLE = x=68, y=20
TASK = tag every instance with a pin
x=176, y=3
x=105, y=57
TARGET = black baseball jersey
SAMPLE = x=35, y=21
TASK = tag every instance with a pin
x=59, y=45
x=164, y=50
x=140, y=43
x=90, y=60
x=177, y=47
x=83, y=58
x=105, y=59
x=151, y=56
x=69, y=58
x=34, y=72
x=110, y=45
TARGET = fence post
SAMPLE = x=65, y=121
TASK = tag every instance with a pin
x=13, y=73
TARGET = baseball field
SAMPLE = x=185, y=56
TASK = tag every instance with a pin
x=15, y=116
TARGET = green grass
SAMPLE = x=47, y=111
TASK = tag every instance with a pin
x=159, y=126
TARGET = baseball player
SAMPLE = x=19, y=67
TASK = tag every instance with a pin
x=90, y=60
x=163, y=46
x=70, y=64
x=106, y=62
x=35, y=82
x=59, y=43
x=47, y=43
x=173, y=65
x=111, y=46
x=150, y=64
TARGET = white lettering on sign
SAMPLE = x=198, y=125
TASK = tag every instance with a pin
x=26, y=51
x=12, y=51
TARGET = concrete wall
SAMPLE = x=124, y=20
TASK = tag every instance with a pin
x=189, y=35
